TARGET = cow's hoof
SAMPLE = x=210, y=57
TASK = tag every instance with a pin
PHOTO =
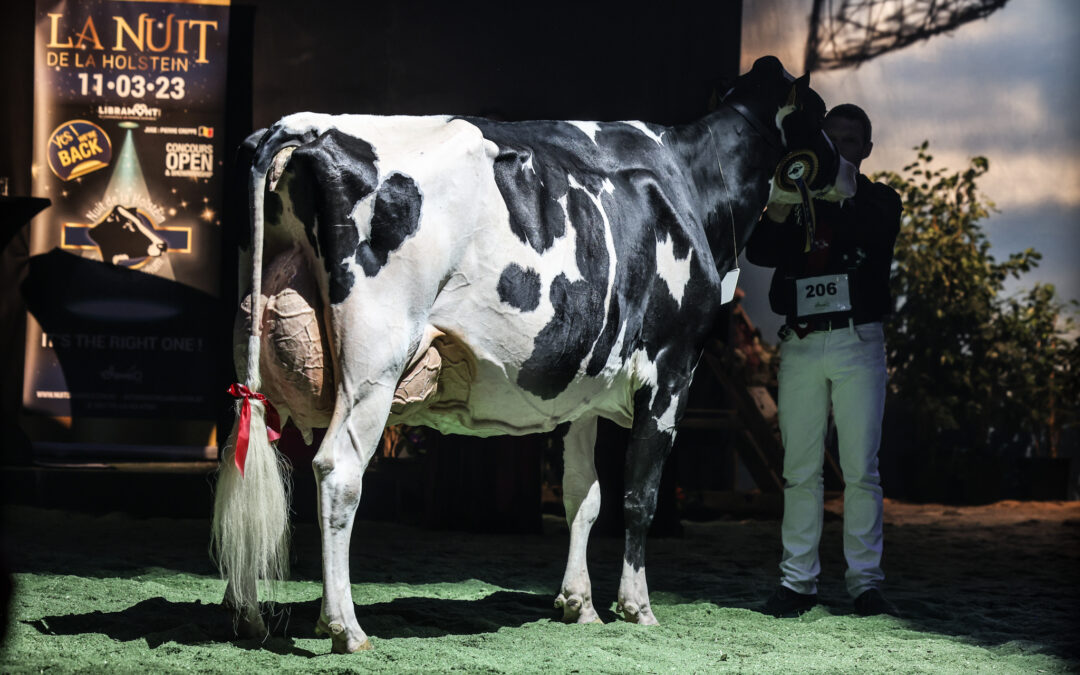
x=340, y=640
x=576, y=609
x=249, y=624
x=351, y=646
x=642, y=616
x=251, y=628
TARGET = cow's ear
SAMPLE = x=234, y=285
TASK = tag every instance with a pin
x=798, y=90
x=768, y=65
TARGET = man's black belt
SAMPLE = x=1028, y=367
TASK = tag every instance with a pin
x=807, y=326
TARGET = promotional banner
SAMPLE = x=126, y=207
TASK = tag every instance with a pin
x=123, y=285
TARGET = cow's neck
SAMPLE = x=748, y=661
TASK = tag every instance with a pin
x=730, y=164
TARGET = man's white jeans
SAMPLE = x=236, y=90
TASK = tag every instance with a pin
x=847, y=366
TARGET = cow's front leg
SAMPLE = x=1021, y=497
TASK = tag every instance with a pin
x=581, y=497
x=351, y=440
x=653, y=433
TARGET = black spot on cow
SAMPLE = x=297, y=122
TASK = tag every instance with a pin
x=536, y=217
x=661, y=312
x=333, y=172
x=632, y=307
x=606, y=341
x=666, y=221
x=532, y=173
x=562, y=345
x=395, y=218
x=520, y=287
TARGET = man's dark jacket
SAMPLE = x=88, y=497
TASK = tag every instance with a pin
x=864, y=231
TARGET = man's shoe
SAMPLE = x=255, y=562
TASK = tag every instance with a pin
x=785, y=603
x=873, y=601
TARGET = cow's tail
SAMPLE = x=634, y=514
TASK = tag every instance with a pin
x=251, y=506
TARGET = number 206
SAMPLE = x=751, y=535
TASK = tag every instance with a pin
x=818, y=290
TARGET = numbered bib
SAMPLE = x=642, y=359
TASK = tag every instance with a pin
x=822, y=295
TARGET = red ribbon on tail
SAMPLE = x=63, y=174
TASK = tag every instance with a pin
x=243, y=433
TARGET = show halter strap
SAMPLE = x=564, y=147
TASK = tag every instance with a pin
x=797, y=170
x=727, y=198
x=806, y=214
x=243, y=433
x=772, y=135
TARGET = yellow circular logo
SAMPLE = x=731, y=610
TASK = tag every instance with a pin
x=78, y=147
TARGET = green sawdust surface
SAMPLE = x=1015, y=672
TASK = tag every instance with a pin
x=982, y=589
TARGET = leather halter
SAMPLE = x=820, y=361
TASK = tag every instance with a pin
x=772, y=135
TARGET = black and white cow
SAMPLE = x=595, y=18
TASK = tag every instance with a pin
x=535, y=273
x=123, y=235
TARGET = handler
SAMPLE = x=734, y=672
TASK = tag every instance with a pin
x=832, y=285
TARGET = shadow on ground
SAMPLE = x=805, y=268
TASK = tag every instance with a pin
x=158, y=621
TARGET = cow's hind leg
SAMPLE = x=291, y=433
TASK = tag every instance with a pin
x=581, y=497
x=350, y=442
x=248, y=620
x=650, y=442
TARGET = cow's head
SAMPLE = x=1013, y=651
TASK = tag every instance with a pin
x=125, y=235
x=813, y=167
x=810, y=166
